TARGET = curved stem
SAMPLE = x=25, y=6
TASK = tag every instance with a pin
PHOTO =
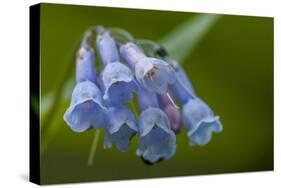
x=94, y=148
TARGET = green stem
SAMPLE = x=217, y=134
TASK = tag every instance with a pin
x=94, y=148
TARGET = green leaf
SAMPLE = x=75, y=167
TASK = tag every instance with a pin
x=182, y=40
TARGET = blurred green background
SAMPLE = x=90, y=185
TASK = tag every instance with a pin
x=231, y=68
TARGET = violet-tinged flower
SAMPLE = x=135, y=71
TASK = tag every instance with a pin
x=86, y=109
x=121, y=128
x=118, y=80
x=157, y=141
x=153, y=74
x=200, y=122
x=172, y=112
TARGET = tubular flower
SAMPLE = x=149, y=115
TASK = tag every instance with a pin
x=85, y=69
x=117, y=78
x=118, y=82
x=197, y=116
x=86, y=109
x=152, y=74
x=200, y=122
x=157, y=141
x=172, y=112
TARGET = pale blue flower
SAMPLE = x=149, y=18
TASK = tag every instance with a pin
x=181, y=91
x=153, y=74
x=183, y=79
x=147, y=99
x=107, y=48
x=200, y=121
x=86, y=109
x=197, y=116
x=85, y=69
x=117, y=79
x=157, y=141
x=118, y=82
x=131, y=54
x=121, y=128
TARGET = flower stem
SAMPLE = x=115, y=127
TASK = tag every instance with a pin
x=94, y=148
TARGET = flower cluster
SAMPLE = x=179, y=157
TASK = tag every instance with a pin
x=100, y=98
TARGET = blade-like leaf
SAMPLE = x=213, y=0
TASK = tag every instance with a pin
x=182, y=40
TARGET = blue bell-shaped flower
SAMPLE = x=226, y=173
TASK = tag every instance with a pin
x=118, y=80
x=157, y=141
x=86, y=109
x=200, y=122
x=152, y=74
x=121, y=127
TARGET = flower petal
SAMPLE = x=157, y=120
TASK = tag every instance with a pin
x=121, y=138
x=156, y=145
x=203, y=134
x=107, y=48
x=152, y=117
x=118, y=82
x=118, y=116
x=85, y=69
x=183, y=79
x=121, y=127
x=200, y=121
x=131, y=53
x=154, y=75
x=86, y=109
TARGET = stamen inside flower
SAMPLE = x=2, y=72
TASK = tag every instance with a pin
x=172, y=101
x=151, y=72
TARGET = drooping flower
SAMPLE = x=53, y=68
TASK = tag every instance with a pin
x=118, y=82
x=153, y=74
x=107, y=48
x=200, y=122
x=86, y=109
x=184, y=80
x=172, y=112
x=117, y=78
x=157, y=141
x=85, y=69
x=121, y=128
x=197, y=116
x=180, y=91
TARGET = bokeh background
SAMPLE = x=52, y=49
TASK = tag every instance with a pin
x=231, y=68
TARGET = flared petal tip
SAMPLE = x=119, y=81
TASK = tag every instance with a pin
x=76, y=127
x=153, y=118
x=203, y=134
